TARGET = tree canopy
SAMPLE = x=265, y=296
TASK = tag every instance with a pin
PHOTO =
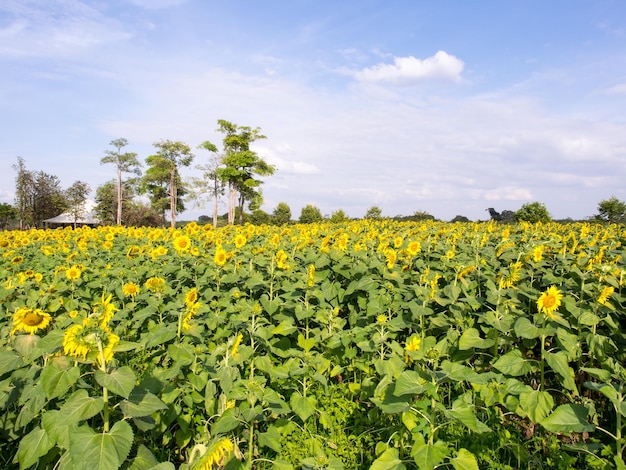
x=241, y=167
x=612, y=210
x=126, y=162
x=533, y=212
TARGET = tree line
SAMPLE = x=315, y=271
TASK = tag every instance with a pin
x=235, y=169
x=610, y=210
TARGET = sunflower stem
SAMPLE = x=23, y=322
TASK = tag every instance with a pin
x=105, y=391
x=543, y=351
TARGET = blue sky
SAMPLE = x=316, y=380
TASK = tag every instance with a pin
x=448, y=107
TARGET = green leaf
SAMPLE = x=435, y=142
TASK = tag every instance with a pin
x=409, y=382
x=56, y=427
x=600, y=374
x=558, y=363
x=181, y=353
x=608, y=391
x=9, y=361
x=536, y=404
x=56, y=380
x=119, y=381
x=471, y=339
x=34, y=445
x=80, y=406
x=304, y=407
x=569, y=342
x=25, y=344
x=513, y=363
x=389, y=460
x=568, y=418
x=271, y=439
x=464, y=460
x=279, y=464
x=141, y=403
x=465, y=414
x=284, y=328
x=162, y=335
x=102, y=451
x=227, y=422
x=428, y=456
x=306, y=344
x=525, y=329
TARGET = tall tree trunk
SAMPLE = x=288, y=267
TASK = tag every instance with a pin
x=172, y=199
x=241, y=203
x=119, y=196
x=232, y=202
x=215, y=211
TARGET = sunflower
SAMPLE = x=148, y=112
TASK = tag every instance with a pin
x=281, y=260
x=191, y=297
x=158, y=251
x=155, y=284
x=29, y=320
x=192, y=310
x=215, y=455
x=549, y=302
x=414, y=248
x=413, y=344
x=88, y=337
x=130, y=289
x=605, y=294
x=221, y=256
x=311, y=277
x=73, y=273
x=182, y=243
x=105, y=309
x=240, y=240
x=397, y=242
x=235, y=348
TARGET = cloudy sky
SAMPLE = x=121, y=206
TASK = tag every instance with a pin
x=448, y=107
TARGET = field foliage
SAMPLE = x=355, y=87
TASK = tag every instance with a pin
x=373, y=345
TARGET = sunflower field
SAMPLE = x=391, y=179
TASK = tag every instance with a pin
x=364, y=345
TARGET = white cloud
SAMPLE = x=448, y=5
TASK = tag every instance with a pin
x=286, y=164
x=441, y=66
x=56, y=28
x=156, y=4
x=503, y=193
x=619, y=89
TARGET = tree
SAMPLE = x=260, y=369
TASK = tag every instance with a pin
x=48, y=198
x=7, y=213
x=533, y=212
x=162, y=178
x=140, y=215
x=506, y=216
x=24, y=192
x=241, y=166
x=460, y=218
x=259, y=217
x=124, y=163
x=612, y=210
x=281, y=214
x=338, y=216
x=38, y=195
x=76, y=195
x=106, y=201
x=310, y=214
x=210, y=182
x=374, y=213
